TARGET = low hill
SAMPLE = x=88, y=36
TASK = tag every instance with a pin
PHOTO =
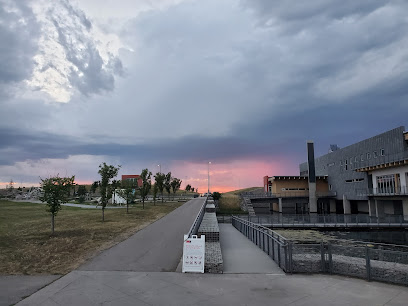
x=250, y=189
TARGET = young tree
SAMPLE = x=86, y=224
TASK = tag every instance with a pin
x=160, y=178
x=216, y=195
x=107, y=173
x=94, y=186
x=128, y=192
x=175, y=185
x=146, y=184
x=188, y=187
x=11, y=186
x=192, y=189
x=155, y=190
x=81, y=193
x=167, y=183
x=55, y=192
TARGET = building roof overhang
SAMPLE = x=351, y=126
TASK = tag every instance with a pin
x=383, y=166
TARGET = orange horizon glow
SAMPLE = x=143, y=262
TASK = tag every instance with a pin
x=224, y=176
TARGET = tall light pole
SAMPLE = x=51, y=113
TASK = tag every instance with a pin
x=209, y=163
x=159, y=167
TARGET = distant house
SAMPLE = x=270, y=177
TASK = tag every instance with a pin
x=132, y=177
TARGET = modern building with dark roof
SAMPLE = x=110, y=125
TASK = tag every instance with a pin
x=368, y=177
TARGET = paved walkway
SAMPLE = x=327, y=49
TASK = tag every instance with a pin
x=155, y=288
x=14, y=287
x=240, y=255
x=157, y=247
x=115, y=277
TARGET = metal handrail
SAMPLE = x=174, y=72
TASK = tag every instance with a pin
x=386, y=191
x=286, y=194
x=276, y=246
x=329, y=220
x=197, y=222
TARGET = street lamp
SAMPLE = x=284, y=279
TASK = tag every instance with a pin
x=159, y=167
x=209, y=163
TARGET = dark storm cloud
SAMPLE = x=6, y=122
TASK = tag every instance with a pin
x=300, y=12
x=239, y=83
x=19, y=33
x=35, y=146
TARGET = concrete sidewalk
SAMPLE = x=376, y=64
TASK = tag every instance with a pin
x=242, y=256
x=158, y=288
x=157, y=247
x=15, y=287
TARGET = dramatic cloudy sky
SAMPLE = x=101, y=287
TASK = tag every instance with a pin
x=241, y=83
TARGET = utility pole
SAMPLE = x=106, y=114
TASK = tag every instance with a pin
x=209, y=163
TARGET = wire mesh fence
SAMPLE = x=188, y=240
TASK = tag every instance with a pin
x=367, y=261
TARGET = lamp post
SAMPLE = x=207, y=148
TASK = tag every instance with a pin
x=159, y=167
x=209, y=163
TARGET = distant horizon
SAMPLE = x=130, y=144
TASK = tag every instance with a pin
x=242, y=84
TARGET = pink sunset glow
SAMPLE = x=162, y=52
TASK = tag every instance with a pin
x=233, y=175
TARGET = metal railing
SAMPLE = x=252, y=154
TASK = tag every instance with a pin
x=286, y=194
x=269, y=241
x=369, y=261
x=197, y=221
x=334, y=220
x=386, y=191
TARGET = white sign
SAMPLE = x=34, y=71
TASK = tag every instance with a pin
x=193, y=254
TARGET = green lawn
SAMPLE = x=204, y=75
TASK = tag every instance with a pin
x=27, y=246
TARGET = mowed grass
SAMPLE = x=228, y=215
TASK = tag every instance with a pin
x=27, y=246
x=230, y=201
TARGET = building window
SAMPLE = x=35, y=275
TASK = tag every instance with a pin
x=386, y=184
x=355, y=180
x=382, y=152
x=375, y=154
x=368, y=156
x=345, y=165
x=362, y=157
x=356, y=159
x=330, y=187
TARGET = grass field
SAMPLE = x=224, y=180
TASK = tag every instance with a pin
x=27, y=247
x=230, y=201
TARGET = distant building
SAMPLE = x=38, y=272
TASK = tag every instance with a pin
x=370, y=177
x=134, y=178
x=290, y=194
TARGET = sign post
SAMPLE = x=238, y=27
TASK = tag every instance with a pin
x=193, y=254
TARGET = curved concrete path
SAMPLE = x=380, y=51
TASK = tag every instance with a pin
x=240, y=255
x=156, y=248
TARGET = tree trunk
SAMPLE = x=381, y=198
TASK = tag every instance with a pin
x=143, y=202
x=162, y=196
x=127, y=207
x=103, y=214
x=52, y=223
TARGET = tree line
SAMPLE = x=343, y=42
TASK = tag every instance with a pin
x=56, y=190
